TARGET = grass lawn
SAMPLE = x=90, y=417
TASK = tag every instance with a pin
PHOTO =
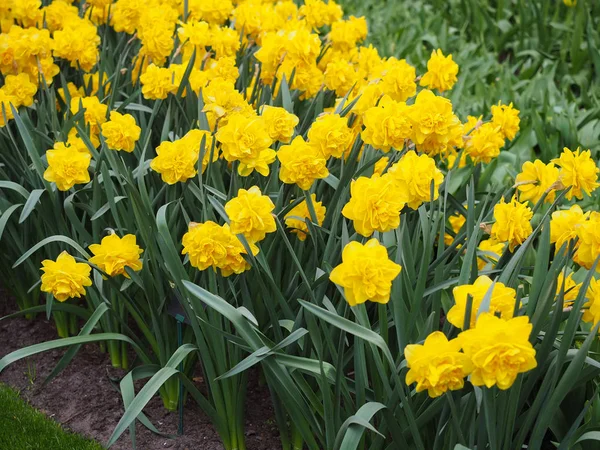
x=22, y=427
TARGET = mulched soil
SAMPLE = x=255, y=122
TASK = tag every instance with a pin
x=83, y=399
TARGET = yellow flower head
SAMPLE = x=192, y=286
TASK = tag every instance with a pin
x=6, y=113
x=331, y=135
x=484, y=143
x=295, y=219
x=65, y=278
x=489, y=251
x=114, y=254
x=94, y=112
x=340, y=76
x=591, y=312
x=456, y=223
x=175, y=161
x=366, y=273
x=387, y=125
x=441, y=72
x=121, y=132
x=345, y=34
x=437, y=365
x=280, y=123
x=246, y=139
x=571, y=289
x=211, y=245
x=507, y=118
x=398, y=80
x=212, y=11
x=157, y=82
x=588, y=233
x=513, y=222
x=67, y=167
x=502, y=301
x=499, y=350
x=225, y=41
x=374, y=204
x=535, y=179
x=380, y=165
x=250, y=214
x=301, y=163
x=413, y=176
x=578, y=171
x=434, y=124
x=20, y=88
x=564, y=225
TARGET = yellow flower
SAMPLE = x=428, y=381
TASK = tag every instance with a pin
x=512, y=222
x=20, y=88
x=441, y=72
x=280, y=123
x=250, y=214
x=535, y=179
x=499, y=350
x=456, y=223
x=414, y=176
x=65, y=278
x=591, y=312
x=67, y=167
x=507, y=118
x=366, y=273
x=245, y=139
x=380, y=165
x=94, y=112
x=301, y=163
x=295, y=219
x=387, y=125
x=121, y=132
x=578, y=171
x=212, y=11
x=435, y=127
x=588, y=233
x=398, y=80
x=374, y=204
x=490, y=251
x=156, y=82
x=437, y=365
x=502, y=301
x=571, y=289
x=6, y=113
x=331, y=135
x=175, y=161
x=114, y=254
x=484, y=143
x=564, y=225
x=570, y=3
x=340, y=76
x=211, y=245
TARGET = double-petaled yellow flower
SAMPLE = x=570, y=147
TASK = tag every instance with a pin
x=67, y=167
x=250, y=214
x=366, y=273
x=114, y=254
x=578, y=171
x=499, y=350
x=441, y=72
x=301, y=163
x=296, y=218
x=512, y=222
x=121, y=132
x=65, y=278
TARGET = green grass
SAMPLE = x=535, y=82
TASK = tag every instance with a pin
x=22, y=427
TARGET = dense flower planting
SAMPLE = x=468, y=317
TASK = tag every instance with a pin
x=313, y=208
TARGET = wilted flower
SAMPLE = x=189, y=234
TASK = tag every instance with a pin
x=65, y=278
x=114, y=254
x=366, y=273
x=437, y=365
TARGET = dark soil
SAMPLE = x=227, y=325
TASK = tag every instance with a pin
x=83, y=399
